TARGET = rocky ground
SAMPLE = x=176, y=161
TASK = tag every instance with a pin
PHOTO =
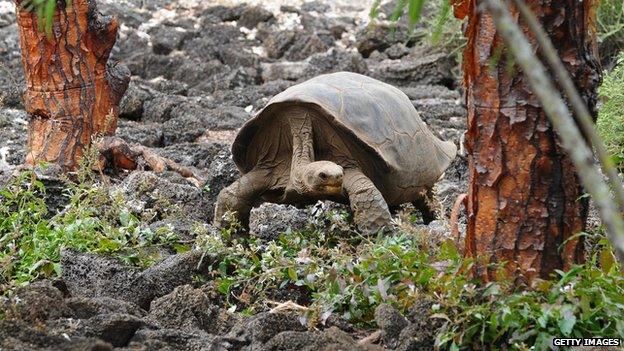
x=200, y=70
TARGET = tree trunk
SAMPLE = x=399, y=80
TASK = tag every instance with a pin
x=71, y=93
x=524, y=198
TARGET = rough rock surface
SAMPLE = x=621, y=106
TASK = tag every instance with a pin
x=91, y=275
x=269, y=220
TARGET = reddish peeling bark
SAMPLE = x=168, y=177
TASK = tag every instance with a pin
x=524, y=196
x=71, y=93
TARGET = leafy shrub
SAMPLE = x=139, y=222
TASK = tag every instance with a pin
x=611, y=114
x=610, y=27
x=351, y=276
x=31, y=239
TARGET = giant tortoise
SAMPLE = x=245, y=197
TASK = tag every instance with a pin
x=343, y=137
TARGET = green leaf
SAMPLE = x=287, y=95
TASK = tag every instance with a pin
x=374, y=11
x=442, y=18
x=223, y=286
x=566, y=324
x=49, y=11
x=398, y=10
x=181, y=248
x=414, y=11
x=292, y=274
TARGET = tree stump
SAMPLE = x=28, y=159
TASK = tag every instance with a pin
x=72, y=92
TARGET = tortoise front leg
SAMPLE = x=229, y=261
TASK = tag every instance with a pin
x=370, y=210
x=240, y=197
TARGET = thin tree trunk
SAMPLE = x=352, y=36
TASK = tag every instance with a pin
x=524, y=198
x=71, y=93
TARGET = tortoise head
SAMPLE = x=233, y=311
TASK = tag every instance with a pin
x=319, y=179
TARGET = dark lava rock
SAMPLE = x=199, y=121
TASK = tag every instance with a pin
x=168, y=87
x=251, y=16
x=260, y=328
x=420, y=333
x=174, y=339
x=331, y=339
x=304, y=45
x=198, y=155
x=131, y=105
x=379, y=37
x=186, y=127
x=13, y=136
x=159, y=108
x=189, y=121
x=421, y=92
x=53, y=178
x=391, y=323
x=335, y=60
x=434, y=69
x=187, y=309
x=229, y=117
x=147, y=190
x=396, y=51
x=81, y=307
x=316, y=6
x=220, y=34
x=224, y=13
x=16, y=335
x=36, y=302
x=228, y=78
x=234, y=55
x=201, y=47
x=443, y=116
x=147, y=134
x=115, y=328
x=6, y=19
x=153, y=66
x=165, y=39
x=197, y=71
x=128, y=12
x=284, y=70
x=91, y=275
x=269, y=220
x=277, y=44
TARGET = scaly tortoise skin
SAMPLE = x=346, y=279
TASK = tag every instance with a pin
x=343, y=137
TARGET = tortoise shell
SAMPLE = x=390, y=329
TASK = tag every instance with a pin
x=377, y=116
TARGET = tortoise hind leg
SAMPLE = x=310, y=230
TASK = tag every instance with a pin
x=370, y=210
x=427, y=206
x=240, y=197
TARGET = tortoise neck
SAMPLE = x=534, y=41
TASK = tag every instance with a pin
x=300, y=119
x=301, y=129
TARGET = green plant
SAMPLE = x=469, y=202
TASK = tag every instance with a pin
x=610, y=122
x=610, y=27
x=95, y=221
x=585, y=301
x=338, y=273
x=45, y=10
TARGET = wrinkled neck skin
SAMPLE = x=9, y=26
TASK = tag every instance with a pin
x=303, y=147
